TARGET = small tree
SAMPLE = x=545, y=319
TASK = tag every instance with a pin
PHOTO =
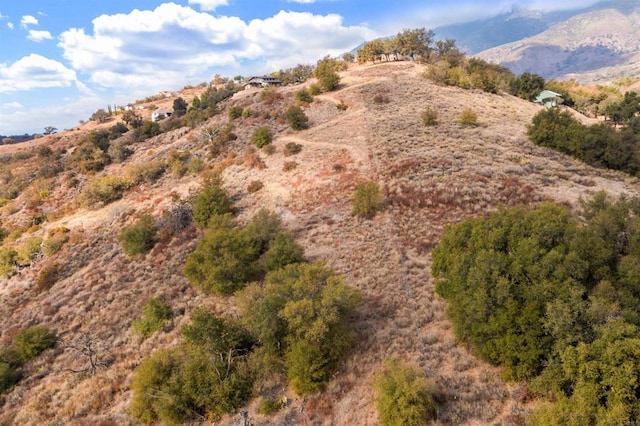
x=155, y=313
x=179, y=107
x=49, y=130
x=367, y=200
x=403, y=396
x=139, y=237
x=262, y=136
x=100, y=116
x=296, y=118
x=304, y=96
x=132, y=118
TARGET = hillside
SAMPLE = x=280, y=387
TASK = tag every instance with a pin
x=431, y=176
x=594, y=46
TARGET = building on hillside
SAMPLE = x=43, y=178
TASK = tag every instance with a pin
x=549, y=99
x=261, y=82
x=161, y=114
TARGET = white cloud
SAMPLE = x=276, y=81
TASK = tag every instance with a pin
x=39, y=36
x=302, y=1
x=35, y=71
x=11, y=106
x=10, y=25
x=174, y=45
x=210, y=4
x=28, y=20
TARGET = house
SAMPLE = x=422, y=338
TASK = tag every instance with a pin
x=161, y=114
x=549, y=99
x=261, y=82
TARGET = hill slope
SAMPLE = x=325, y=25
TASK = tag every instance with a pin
x=432, y=176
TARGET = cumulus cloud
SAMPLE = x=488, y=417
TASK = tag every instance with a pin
x=209, y=4
x=35, y=71
x=10, y=25
x=175, y=44
x=28, y=20
x=39, y=36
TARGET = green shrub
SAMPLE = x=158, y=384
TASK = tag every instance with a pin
x=209, y=202
x=235, y=112
x=118, y=152
x=304, y=96
x=48, y=276
x=9, y=376
x=269, y=149
x=292, y=148
x=29, y=250
x=430, y=116
x=367, y=200
x=262, y=136
x=8, y=258
x=315, y=89
x=216, y=335
x=268, y=406
x=155, y=313
x=193, y=384
x=296, y=118
x=289, y=316
x=403, y=396
x=148, y=172
x=283, y=251
x=146, y=130
x=468, y=117
x=224, y=261
x=55, y=241
x=31, y=342
x=177, y=162
x=104, y=190
x=195, y=165
x=139, y=237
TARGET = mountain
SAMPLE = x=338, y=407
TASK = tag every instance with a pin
x=519, y=23
x=431, y=177
x=600, y=44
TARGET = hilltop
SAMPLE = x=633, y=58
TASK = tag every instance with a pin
x=431, y=177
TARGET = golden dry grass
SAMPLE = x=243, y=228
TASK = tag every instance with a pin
x=431, y=176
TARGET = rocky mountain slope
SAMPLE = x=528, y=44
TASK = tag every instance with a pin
x=431, y=176
x=595, y=46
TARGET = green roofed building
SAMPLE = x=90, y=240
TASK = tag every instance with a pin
x=549, y=99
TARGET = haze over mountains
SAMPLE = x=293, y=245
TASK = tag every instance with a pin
x=595, y=44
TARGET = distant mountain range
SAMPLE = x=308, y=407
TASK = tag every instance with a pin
x=594, y=44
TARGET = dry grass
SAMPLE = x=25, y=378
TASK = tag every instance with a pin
x=431, y=176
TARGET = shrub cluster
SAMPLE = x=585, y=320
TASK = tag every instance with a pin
x=209, y=203
x=27, y=345
x=599, y=145
x=228, y=257
x=204, y=378
x=553, y=301
x=303, y=314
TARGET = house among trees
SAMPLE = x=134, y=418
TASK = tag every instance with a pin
x=549, y=99
x=161, y=114
x=261, y=82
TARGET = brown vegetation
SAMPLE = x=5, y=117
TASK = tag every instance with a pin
x=430, y=176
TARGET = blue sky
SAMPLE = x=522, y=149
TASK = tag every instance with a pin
x=62, y=60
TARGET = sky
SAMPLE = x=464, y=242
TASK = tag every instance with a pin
x=62, y=60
